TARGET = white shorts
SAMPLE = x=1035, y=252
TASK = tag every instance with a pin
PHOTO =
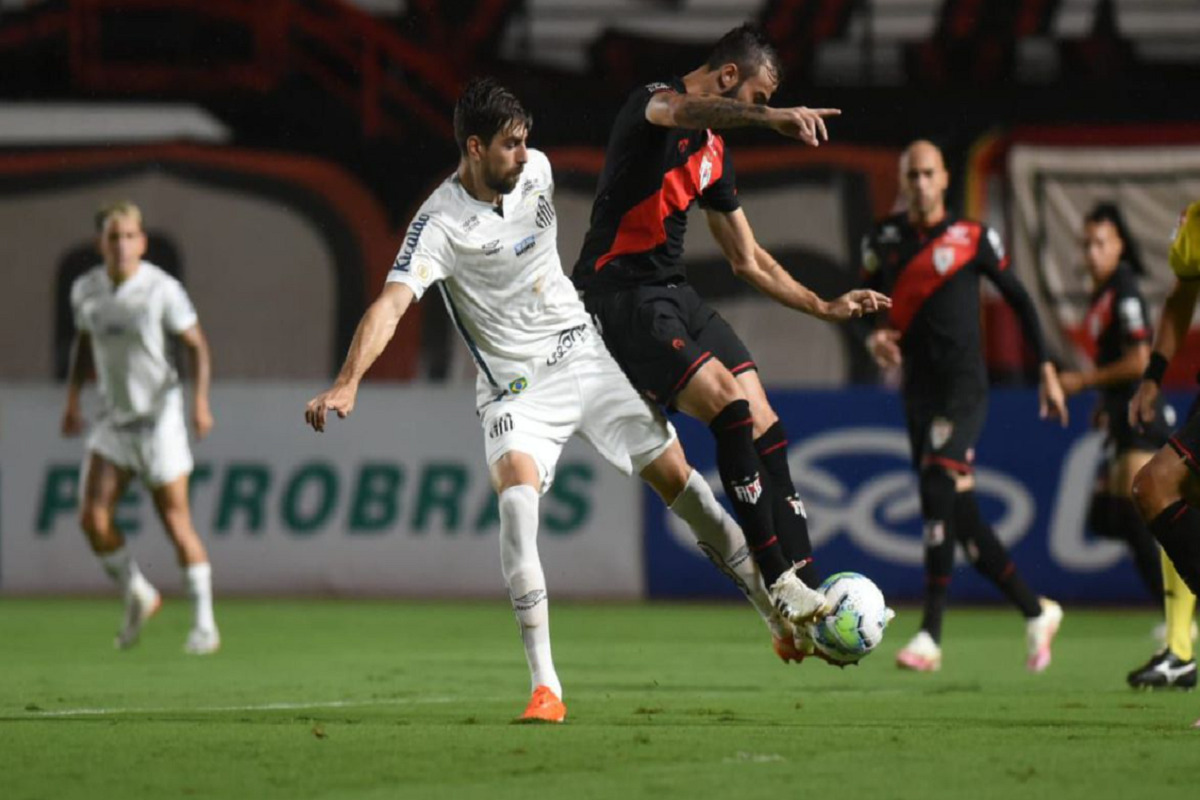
x=155, y=449
x=588, y=394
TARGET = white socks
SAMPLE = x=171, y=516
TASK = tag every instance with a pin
x=526, y=583
x=199, y=588
x=121, y=567
x=723, y=542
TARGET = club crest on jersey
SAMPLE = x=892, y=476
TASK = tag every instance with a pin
x=525, y=245
x=518, y=385
x=545, y=212
x=404, y=258
x=705, y=172
x=943, y=259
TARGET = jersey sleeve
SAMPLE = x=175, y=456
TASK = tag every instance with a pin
x=77, y=291
x=1131, y=318
x=426, y=255
x=179, y=314
x=721, y=194
x=1184, y=255
x=993, y=262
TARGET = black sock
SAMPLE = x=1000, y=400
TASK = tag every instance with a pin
x=1142, y=545
x=988, y=555
x=791, y=520
x=1177, y=529
x=937, y=506
x=744, y=486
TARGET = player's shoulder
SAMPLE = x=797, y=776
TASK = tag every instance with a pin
x=886, y=231
x=445, y=208
x=1185, y=243
x=538, y=165
x=89, y=282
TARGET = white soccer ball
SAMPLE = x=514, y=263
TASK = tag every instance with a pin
x=856, y=621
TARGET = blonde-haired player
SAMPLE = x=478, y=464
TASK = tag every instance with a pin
x=1162, y=488
x=125, y=310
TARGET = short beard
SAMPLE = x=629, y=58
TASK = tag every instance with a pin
x=732, y=93
x=501, y=185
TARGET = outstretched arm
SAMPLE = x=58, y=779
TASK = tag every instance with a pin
x=698, y=112
x=77, y=373
x=197, y=345
x=755, y=265
x=374, y=331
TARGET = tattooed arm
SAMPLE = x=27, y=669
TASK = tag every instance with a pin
x=698, y=112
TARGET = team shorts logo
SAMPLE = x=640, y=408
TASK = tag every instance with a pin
x=797, y=506
x=525, y=245
x=749, y=490
x=943, y=259
x=545, y=212
x=404, y=257
x=501, y=426
x=566, y=343
x=940, y=431
x=518, y=385
x=705, y=172
x=935, y=533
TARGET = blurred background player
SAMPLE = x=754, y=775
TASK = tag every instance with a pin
x=662, y=156
x=124, y=311
x=543, y=374
x=930, y=262
x=1166, y=488
x=1117, y=341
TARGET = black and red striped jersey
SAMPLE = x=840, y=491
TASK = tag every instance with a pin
x=651, y=176
x=932, y=275
x=1116, y=320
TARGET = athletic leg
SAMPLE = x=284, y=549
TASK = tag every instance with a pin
x=174, y=510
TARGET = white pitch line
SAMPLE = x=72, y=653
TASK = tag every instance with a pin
x=100, y=712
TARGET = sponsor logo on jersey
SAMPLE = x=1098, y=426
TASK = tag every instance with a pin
x=658, y=87
x=566, y=343
x=749, y=490
x=518, y=385
x=527, y=187
x=958, y=234
x=491, y=248
x=525, y=245
x=423, y=271
x=545, y=212
x=501, y=426
x=411, y=238
x=943, y=259
x=471, y=223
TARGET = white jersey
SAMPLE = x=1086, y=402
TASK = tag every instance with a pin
x=500, y=277
x=128, y=326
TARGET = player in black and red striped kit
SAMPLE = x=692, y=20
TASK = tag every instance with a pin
x=931, y=263
x=664, y=154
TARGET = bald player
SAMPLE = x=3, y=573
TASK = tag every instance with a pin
x=1167, y=490
x=931, y=262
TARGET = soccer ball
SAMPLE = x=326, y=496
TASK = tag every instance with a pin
x=858, y=615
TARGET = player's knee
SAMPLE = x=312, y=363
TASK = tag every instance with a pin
x=96, y=520
x=1151, y=489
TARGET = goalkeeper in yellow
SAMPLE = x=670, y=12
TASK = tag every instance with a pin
x=1167, y=489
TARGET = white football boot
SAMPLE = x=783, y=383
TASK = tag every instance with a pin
x=796, y=602
x=202, y=641
x=139, y=607
x=1040, y=632
x=921, y=654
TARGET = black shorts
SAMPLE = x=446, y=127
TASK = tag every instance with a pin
x=660, y=335
x=1186, y=440
x=943, y=429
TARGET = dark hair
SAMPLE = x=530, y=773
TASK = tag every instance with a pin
x=484, y=109
x=746, y=46
x=1108, y=212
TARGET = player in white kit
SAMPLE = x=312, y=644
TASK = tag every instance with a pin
x=125, y=310
x=486, y=238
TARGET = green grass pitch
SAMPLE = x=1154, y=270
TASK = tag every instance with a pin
x=328, y=699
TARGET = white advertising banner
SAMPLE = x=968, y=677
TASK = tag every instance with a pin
x=394, y=500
